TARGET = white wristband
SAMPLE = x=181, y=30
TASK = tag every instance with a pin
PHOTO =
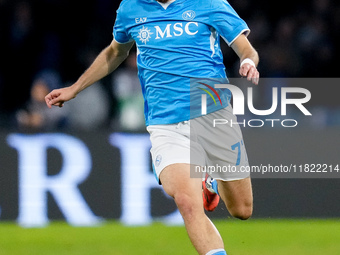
x=249, y=61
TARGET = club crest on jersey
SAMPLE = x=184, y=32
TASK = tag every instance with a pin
x=144, y=35
x=188, y=15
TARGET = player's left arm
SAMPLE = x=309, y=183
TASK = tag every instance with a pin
x=249, y=58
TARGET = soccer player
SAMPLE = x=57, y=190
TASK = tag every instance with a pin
x=178, y=40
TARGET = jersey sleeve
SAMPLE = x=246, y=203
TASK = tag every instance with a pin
x=226, y=21
x=119, y=29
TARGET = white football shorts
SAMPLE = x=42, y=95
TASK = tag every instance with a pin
x=211, y=144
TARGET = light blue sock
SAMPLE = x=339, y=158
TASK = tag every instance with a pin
x=221, y=253
x=217, y=252
x=214, y=186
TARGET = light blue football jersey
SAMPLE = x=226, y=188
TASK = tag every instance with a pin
x=177, y=42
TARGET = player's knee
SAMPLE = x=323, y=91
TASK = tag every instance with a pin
x=242, y=212
x=186, y=205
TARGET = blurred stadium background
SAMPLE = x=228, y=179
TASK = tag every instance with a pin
x=79, y=180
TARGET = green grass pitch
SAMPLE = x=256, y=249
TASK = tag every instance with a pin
x=252, y=237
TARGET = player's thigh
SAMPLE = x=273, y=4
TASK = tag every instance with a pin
x=186, y=191
x=176, y=179
x=237, y=196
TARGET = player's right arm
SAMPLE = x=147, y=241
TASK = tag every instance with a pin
x=105, y=63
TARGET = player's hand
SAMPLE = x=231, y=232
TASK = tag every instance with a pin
x=250, y=71
x=58, y=97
